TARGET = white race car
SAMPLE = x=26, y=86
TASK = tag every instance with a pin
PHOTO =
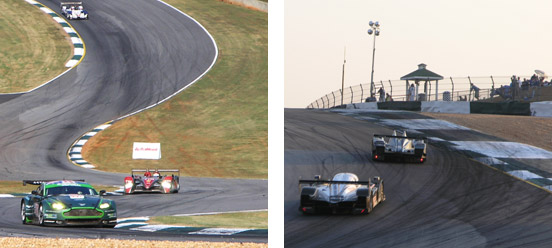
x=73, y=10
x=343, y=194
x=399, y=146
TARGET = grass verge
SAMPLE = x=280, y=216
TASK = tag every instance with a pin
x=33, y=47
x=251, y=220
x=16, y=187
x=219, y=126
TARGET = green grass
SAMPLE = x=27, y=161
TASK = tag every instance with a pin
x=16, y=187
x=219, y=126
x=252, y=220
x=24, y=64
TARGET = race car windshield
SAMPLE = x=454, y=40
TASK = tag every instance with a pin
x=70, y=190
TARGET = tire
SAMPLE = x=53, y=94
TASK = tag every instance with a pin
x=23, y=217
x=369, y=205
x=41, y=216
x=382, y=197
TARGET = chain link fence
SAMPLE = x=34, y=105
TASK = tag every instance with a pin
x=450, y=89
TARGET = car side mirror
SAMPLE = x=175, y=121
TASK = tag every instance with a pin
x=102, y=192
x=34, y=192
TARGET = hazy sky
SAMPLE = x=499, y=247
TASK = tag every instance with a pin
x=454, y=38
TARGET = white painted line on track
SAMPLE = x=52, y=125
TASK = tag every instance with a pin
x=500, y=149
x=123, y=225
x=6, y=196
x=227, y=212
x=219, y=231
x=153, y=228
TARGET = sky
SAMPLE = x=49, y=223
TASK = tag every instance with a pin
x=454, y=38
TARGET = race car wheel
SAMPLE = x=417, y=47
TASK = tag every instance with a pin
x=382, y=196
x=370, y=206
x=23, y=217
x=40, y=216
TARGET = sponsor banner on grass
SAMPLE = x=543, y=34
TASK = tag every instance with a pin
x=141, y=150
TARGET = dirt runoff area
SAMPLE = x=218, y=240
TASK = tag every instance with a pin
x=535, y=131
x=108, y=243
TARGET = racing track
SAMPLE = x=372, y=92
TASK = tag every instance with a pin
x=138, y=52
x=449, y=201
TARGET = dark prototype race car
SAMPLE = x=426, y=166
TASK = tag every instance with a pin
x=67, y=203
x=153, y=182
x=343, y=194
x=399, y=146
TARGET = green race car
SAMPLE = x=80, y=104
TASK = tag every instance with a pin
x=68, y=203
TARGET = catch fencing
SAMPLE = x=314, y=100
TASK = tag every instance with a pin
x=449, y=89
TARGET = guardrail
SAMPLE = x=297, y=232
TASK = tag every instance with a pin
x=458, y=89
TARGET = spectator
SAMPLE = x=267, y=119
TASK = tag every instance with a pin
x=475, y=90
x=412, y=93
x=388, y=98
x=381, y=92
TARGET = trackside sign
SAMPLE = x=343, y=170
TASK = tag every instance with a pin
x=142, y=150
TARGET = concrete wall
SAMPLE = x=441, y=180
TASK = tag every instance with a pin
x=541, y=109
x=446, y=107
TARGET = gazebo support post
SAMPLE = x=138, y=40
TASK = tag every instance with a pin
x=436, y=90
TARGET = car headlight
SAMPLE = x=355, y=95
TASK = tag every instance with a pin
x=58, y=206
x=166, y=184
x=104, y=205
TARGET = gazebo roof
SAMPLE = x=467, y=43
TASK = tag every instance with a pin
x=422, y=74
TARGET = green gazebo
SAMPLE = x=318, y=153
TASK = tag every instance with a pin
x=425, y=75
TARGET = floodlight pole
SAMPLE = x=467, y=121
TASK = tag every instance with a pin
x=374, y=28
x=343, y=76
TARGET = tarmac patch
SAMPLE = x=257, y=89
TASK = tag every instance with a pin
x=423, y=124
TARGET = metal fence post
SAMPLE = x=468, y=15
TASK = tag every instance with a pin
x=352, y=94
x=361, y=93
x=334, y=99
x=391, y=86
x=469, y=95
x=452, y=95
x=327, y=98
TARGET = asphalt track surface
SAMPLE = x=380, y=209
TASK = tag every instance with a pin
x=449, y=201
x=138, y=52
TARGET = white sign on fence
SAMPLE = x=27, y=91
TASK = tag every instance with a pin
x=142, y=150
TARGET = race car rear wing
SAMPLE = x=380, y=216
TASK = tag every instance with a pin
x=38, y=182
x=421, y=138
x=159, y=170
x=311, y=182
x=71, y=3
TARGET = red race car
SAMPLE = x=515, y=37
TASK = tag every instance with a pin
x=153, y=181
